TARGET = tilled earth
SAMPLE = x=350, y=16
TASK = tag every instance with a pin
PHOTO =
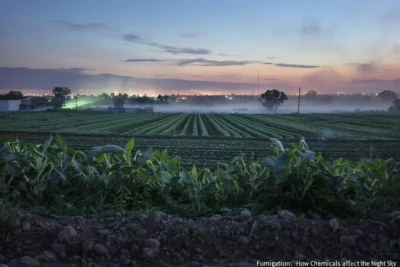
x=159, y=239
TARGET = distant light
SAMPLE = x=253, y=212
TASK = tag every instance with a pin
x=49, y=100
x=72, y=97
x=230, y=98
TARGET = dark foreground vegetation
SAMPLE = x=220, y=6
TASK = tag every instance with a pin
x=54, y=180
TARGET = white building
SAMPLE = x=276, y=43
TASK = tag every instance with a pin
x=9, y=105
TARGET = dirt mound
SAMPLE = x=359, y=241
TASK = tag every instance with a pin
x=159, y=239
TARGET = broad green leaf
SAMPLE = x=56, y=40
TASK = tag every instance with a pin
x=9, y=157
x=269, y=162
x=61, y=141
x=111, y=149
x=194, y=172
x=184, y=176
x=307, y=154
x=145, y=157
x=94, y=151
x=164, y=176
x=166, y=165
x=128, y=149
x=101, y=157
x=157, y=154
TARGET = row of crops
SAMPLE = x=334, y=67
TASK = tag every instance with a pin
x=208, y=152
x=117, y=178
x=338, y=126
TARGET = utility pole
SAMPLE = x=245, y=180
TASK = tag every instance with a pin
x=258, y=82
x=298, y=103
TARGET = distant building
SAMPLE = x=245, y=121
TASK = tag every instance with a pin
x=34, y=102
x=9, y=105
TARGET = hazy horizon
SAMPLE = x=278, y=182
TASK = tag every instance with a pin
x=202, y=47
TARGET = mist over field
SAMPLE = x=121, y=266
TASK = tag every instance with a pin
x=254, y=107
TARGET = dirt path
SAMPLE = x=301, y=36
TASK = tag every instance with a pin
x=163, y=240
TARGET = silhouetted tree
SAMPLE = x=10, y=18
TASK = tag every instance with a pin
x=104, y=96
x=59, y=96
x=395, y=108
x=272, y=99
x=166, y=98
x=12, y=95
x=311, y=94
x=387, y=95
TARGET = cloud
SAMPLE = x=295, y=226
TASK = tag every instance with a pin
x=221, y=63
x=177, y=50
x=166, y=48
x=75, y=26
x=226, y=55
x=396, y=49
x=75, y=79
x=189, y=35
x=376, y=81
x=391, y=16
x=270, y=79
x=133, y=38
x=313, y=35
x=283, y=65
x=145, y=60
x=206, y=62
x=323, y=77
x=227, y=76
x=311, y=29
x=365, y=67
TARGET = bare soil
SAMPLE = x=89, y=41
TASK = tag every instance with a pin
x=159, y=239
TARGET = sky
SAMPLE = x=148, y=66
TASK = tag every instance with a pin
x=207, y=46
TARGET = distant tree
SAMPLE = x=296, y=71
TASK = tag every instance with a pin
x=395, y=108
x=166, y=98
x=104, y=96
x=272, y=99
x=160, y=98
x=12, y=95
x=60, y=94
x=387, y=95
x=311, y=94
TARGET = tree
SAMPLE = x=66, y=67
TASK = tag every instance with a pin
x=166, y=98
x=104, y=96
x=272, y=99
x=12, y=95
x=59, y=96
x=387, y=95
x=395, y=108
x=311, y=94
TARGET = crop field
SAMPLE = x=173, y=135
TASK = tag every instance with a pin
x=284, y=127
x=206, y=139
x=208, y=152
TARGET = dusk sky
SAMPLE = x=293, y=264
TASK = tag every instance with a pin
x=342, y=45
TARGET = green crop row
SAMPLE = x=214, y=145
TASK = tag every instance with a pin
x=120, y=178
